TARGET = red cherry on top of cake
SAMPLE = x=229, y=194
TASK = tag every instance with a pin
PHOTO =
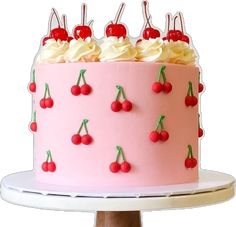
x=175, y=34
x=82, y=31
x=150, y=32
x=117, y=29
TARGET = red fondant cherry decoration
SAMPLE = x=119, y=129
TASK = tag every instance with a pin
x=163, y=135
x=149, y=32
x=116, y=106
x=190, y=99
x=127, y=106
x=125, y=167
x=157, y=86
x=75, y=90
x=33, y=124
x=45, y=39
x=49, y=165
x=115, y=28
x=85, y=89
x=154, y=136
x=46, y=101
x=185, y=39
x=200, y=132
x=86, y=139
x=82, y=31
x=200, y=87
x=76, y=139
x=115, y=167
x=190, y=161
x=32, y=84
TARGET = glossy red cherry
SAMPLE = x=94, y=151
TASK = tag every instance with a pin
x=164, y=135
x=32, y=87
x=86, y=139
x=86, y=89
x=127, y=106
x=116, y=106
x=154, y=136
x=188, y=100
x=82, y=31
x=151, y=33
x=171, y=35
x=188, y=163
x=200, y=87
x=115, y=167
x=185, y=39
x=33, y=126
x=49, y=102
x=59, y=34
x=45, y=166
x=76, y=139
x=167, y=87
x=117, y=30
x=42, y=103
x=45, y=39
x=75, y=90
x=200, y=132
x=157, y=87
x=193, y=162
x=125, y=167
x=51, y=166
x=194, y=101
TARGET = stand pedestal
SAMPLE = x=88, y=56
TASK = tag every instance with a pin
x=120, y=208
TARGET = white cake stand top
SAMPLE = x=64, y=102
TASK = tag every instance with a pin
x=23, y=189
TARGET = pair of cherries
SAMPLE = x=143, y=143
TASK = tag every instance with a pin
x=117, y=106
x=190, y=99
x=190, y=161
x=85, y=89
x=164, y=86
x=159, y=133
x=46, y=101
x=33, y=125
x=49, y=165
x=124, y=166
x=86, y=139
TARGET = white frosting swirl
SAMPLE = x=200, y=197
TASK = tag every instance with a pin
x=82, y=50
x=117, y=49
x=178, y=53
x=53, y=51
x=149, y=50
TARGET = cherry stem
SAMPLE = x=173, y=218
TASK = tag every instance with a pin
x=160, y=123
x=119, y=13
x=84, y=9
x=120, y=152
x=190, y=89
x=55, y=13
x=49, y=156
x=198, y=120
x=181, y=23
x=64, y=21
x=119, y=92
x=90, y=23
x=168, y=22
x=123, y=94
x=34, y=75
x=45, y=91
x=190, y=151
x=161, y=74
x=80, y=128
x=34, y=116
x=48, y=91
x=147, y=22
x=85, y=121
x=145, y=13
x=81, y=75
x=175, y=21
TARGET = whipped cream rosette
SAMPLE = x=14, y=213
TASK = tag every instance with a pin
x=82, y=50
x=53, y=51
x=117, y=49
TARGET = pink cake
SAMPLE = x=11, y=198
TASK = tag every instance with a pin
x=115, y=114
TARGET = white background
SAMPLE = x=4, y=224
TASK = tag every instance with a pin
x=212, y=26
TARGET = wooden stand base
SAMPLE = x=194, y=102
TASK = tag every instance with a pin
x=118, y=219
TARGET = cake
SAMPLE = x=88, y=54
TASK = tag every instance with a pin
x=116, y=113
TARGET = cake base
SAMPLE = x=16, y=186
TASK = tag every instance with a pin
x=119, y=208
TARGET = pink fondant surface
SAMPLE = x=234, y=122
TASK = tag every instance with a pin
x=88, y=166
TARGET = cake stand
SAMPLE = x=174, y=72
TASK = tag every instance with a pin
x=120, y=207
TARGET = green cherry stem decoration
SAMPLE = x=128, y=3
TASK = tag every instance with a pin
x=32, y=85
x=33, y=124
x=164, y=86
x=159, y=123
x=119, y=152
x=119, y=88
x=85, y=121
x=190, y=99
x=190, y=151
